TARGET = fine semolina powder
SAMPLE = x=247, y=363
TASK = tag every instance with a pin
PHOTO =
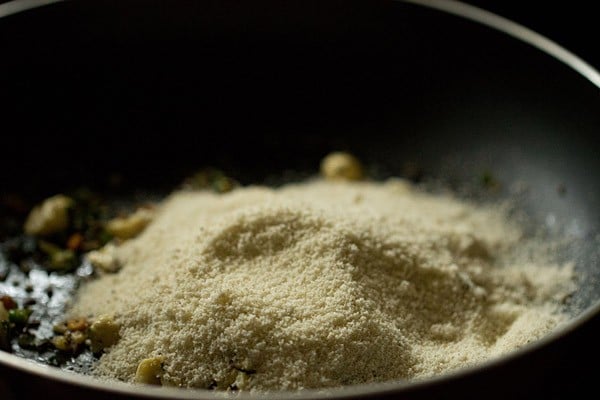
x=321, y=284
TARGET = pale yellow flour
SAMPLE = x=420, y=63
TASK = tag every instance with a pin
x=321, y=284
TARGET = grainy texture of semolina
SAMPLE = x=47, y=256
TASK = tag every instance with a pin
x=320, y=284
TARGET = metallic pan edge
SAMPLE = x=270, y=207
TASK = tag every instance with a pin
x=17, y=6
x=515, y=30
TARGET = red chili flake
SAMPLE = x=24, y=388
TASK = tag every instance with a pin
x=8, y=302
x=75, y=241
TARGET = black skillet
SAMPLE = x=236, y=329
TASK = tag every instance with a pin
x=152, y=90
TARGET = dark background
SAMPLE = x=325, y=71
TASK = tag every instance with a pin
x=572, y=24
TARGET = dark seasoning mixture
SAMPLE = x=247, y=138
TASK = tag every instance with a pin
x=42, y=267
